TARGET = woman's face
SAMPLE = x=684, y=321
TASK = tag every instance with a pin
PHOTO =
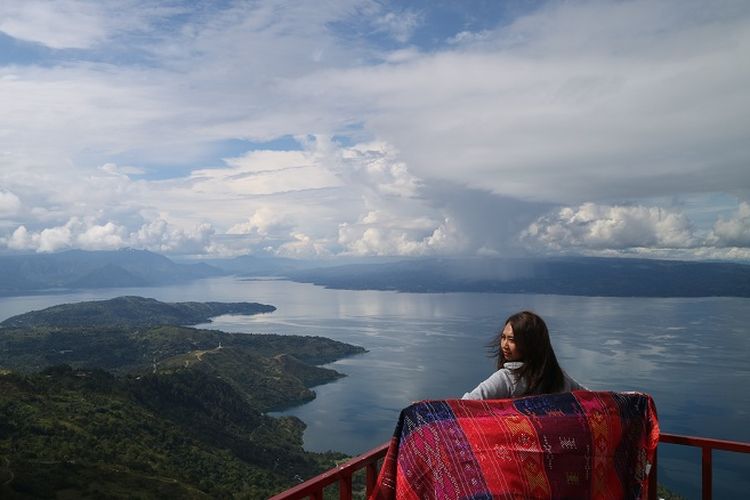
x=508, y=344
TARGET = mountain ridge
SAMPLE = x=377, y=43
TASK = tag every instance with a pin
x=587, y=276
x=75, y=269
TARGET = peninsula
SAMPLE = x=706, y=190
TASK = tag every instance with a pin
x=103, y=397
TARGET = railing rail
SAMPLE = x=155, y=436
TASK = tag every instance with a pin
x=313, y=488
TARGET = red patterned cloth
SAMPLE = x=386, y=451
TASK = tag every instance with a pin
x=583, y=444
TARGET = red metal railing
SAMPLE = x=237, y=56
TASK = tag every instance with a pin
x=706, y=445
x=313, y=488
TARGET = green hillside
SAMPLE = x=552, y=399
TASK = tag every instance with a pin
x=267, y=383
x=127, y=411
x=127, y=350
x=184, y=434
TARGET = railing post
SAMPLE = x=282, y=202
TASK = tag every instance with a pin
x=345, y=487
x=706, y=467
x=372, y=477
x=653, y=476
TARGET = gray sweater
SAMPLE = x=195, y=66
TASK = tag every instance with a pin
x=504, y=383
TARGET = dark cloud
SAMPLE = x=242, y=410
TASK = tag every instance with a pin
x=490, y=223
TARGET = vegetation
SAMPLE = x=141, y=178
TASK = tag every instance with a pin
x=131, y=409
x=131, y=312
x=666, y=494
x=267, y=383
x=184, y=434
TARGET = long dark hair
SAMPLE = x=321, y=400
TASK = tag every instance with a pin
x=540, y=370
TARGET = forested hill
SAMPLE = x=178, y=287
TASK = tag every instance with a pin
x=131, y=312
x=130, y=409
x=68, y=433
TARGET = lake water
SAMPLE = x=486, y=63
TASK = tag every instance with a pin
x=691, y=355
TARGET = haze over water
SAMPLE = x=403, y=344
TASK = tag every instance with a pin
x=689, y=354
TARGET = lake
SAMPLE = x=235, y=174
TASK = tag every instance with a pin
x=691, y=355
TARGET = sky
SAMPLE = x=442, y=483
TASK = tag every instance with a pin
x=372, y=128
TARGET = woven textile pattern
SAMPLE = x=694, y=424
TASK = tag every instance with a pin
x=583, y=444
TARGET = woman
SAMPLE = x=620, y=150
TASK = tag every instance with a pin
x=526, y=363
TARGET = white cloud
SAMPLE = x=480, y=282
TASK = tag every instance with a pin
x=63, y=24
x=10, y=204
x=87, y=234
x=54, y=238
x=263, y=220
x=377, y=164
x=259, y=200
x=76, y=233
x=577, y=101
x=83, y=24
x=735, y=231
x=603, y=227
x=468, y=37
x=399, y=25
x=265, y=172
x=114, y=169
x=108, y=236
x=160, y=236
x=20, y=240
x=368, y=239
x=303, y=246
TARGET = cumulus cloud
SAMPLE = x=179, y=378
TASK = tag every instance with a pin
x=9, y=203
x=734, y=231
x=378, y=165
x=303, y=246
x=107, y=236
x=87, y=234
x=606, y=227
x=261, y=222
x=20, y=240
x=291, y=203
x=76, y=233
x=367, y=239
x=160, y=236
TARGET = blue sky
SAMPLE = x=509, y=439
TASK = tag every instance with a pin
x=375, y=128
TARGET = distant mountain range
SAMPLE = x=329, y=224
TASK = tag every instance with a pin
x=606, y=277
x=616, y=277
x=75, y=269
